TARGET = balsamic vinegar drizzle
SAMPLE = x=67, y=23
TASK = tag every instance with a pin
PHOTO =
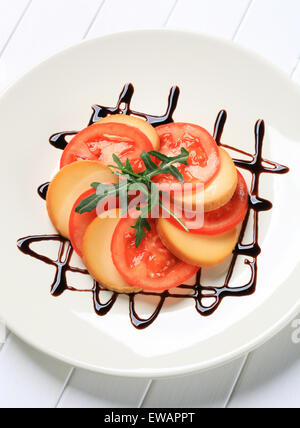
x=42, y=190
x=62, y=266
x=99, y=112
x=125, y=98
x=59, y=140
x=198, y=291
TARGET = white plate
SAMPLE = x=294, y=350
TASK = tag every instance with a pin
x=57, y=95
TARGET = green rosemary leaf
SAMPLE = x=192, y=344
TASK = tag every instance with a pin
x=117, y=160
x=147, y=225
x=140, y=225
x=139, y=187
x=95, y=185
x=169, y=160
x=149, y=164
x=167, y=167
x=128, y=165
x=176, y=173
x=119, y=174
x=101, y=186
x=173, y=215
x=159, y=156
x=153, y=199
x=88, y=204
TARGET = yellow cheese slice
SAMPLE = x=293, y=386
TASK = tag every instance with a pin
x=97, y=255
x=136, y=122
x=195, y=249
x=217, y=193
x=68, y=184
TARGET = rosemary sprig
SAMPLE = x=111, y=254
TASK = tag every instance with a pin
x=141, y=182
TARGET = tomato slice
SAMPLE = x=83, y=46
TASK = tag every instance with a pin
x=101, y=140
x=78, y=223
x=151, y=266
x=224, y=218
x=203, y=160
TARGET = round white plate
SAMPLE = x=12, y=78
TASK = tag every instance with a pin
x=56, y=96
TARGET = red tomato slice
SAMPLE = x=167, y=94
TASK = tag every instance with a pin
x=224, y=218
x=203, y=160
x=100, y=141
x=78, y=223
x=151, y=266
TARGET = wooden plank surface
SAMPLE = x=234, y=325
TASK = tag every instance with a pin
x=271, y=28
x=296, y=72
x=28, y=377
x=90, y=390
x=271, y=377
x=215, y=17
x=210, y=389
x=11, y=13
x=120, y=15
x=47, y=27
x=3, y=333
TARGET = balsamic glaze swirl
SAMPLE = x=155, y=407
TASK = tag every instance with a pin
x=198, y=291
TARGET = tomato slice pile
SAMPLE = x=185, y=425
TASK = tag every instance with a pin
x=101, y=140
x=151, y=266
x=224, y=218
x=204, y=159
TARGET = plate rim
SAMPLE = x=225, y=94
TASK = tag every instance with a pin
x=204, y=35
x=165, y=372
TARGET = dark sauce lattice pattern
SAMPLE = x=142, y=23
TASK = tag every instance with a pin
x=198, y=292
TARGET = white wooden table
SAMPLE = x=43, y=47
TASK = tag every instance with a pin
x=268, y=377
